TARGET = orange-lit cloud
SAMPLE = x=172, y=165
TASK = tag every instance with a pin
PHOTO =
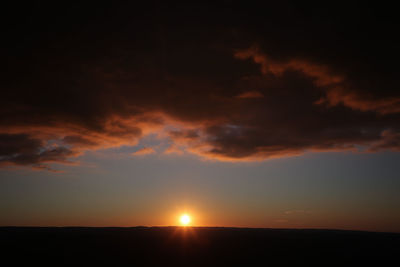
x=335, y=85
x=144, y=151
x=173, y=149
x=321, y=74
x=358, y=101
x=208, y=91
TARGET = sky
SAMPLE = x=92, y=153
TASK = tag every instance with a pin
x=261, y=114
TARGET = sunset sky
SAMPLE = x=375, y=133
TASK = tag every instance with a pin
x=248, y=115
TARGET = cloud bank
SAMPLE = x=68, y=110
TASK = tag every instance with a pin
x=235, y=82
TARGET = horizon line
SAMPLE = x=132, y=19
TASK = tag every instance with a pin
x=223, y=227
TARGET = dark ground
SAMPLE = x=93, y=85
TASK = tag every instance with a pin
x=203, y=246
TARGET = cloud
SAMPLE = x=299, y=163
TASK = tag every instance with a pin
x=389, y=140
x=358, y=101
x=278, y=82
x=20, y=149
x=173, y=149
x=144, y=151
x=321, y=74
x=337, y=90
x=250, y=94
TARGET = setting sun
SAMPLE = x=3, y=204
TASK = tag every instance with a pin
x=185, y=219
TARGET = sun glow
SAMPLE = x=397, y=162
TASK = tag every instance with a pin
x=185, y=219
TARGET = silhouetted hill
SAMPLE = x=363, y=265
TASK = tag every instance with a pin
x=195, y=246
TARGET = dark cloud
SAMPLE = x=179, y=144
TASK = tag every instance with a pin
x=234, y=81
x=20, y=149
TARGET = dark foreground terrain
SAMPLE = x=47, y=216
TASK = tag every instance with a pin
x=192, y=246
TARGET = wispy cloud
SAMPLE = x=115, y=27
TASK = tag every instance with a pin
x=144, y=151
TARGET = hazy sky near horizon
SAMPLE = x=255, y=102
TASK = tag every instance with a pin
x=324, y=190
x=253, y=115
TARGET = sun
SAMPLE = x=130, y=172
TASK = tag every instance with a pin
x=185, y=219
